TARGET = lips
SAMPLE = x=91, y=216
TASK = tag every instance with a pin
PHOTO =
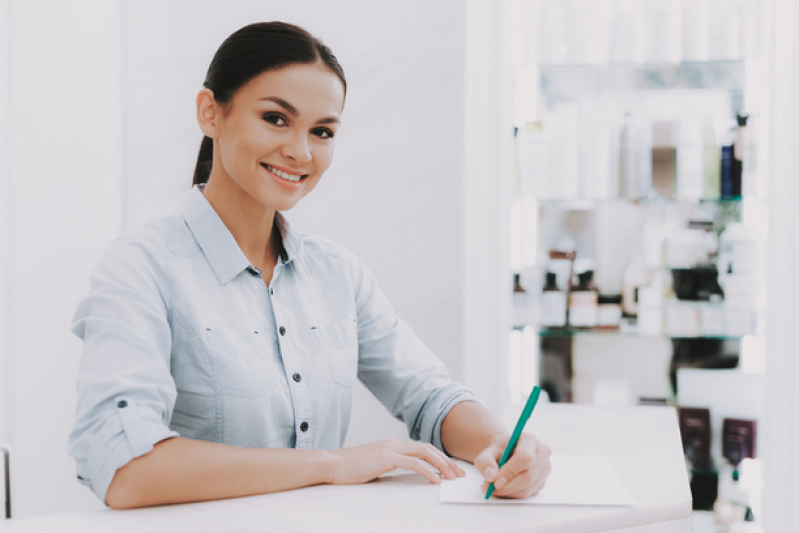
x=288, y=176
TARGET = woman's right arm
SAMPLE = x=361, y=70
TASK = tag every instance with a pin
x=181, y=470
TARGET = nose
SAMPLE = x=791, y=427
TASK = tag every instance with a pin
x=296, y=148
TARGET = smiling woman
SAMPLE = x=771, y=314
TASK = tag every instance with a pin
x=221, y=346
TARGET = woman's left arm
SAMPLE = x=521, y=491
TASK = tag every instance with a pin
x=470, y=432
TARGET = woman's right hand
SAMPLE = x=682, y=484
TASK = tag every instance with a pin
x=367, y=462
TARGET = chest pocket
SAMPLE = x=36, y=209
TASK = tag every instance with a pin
x=339, y=343
x=243, y=361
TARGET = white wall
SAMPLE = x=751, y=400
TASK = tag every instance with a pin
x=780, y=428
x=5, y=204
x=63, y=193
x=103, y=138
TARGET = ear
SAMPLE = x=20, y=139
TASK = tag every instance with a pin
x=208, y=113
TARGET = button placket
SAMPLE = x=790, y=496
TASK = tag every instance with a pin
x=302, y=404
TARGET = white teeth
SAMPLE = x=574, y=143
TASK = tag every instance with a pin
x=286, y=176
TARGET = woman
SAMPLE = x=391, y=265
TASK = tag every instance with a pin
x=221, y=347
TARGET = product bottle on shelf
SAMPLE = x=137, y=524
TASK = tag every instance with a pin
x=750, y=158
x=521, y=302
x=583, y=301
x=553, y=304
x=628, y=159
x=738, y=150
x=608, y=311
x=711, y=160
x=732, y=161
x=690, y=148
x=635, y=275
x=663, y=157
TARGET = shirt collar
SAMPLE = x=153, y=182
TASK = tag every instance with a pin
x=217, y=243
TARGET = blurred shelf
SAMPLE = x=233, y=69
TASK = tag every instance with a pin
x=574, y=332
x=589, y=203
x=574, y=80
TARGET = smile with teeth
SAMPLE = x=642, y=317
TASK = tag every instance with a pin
x=285, y=175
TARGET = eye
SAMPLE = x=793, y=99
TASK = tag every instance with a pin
x=275, y=118
x=323, y=133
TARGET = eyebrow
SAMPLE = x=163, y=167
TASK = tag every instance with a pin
x=293, y=110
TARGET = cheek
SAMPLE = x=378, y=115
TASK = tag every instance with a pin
x=323, y=156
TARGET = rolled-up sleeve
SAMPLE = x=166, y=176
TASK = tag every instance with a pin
x=126, y=392
x=397, y=367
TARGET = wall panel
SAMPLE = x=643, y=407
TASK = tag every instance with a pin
x=65, y=174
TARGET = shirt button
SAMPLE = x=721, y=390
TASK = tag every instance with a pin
x=282, y=330
x=304, y=427
x=297, y=377
x=122, y=404
x=271, y=291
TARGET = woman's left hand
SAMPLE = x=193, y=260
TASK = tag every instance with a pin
x=523, y=475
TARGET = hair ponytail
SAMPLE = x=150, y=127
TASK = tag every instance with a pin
x=202, y=171
x=251, y=51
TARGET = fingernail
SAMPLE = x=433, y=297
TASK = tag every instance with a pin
x=461, y=472
x=498, y=484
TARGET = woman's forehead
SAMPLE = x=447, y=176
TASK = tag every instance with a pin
x=309, y=86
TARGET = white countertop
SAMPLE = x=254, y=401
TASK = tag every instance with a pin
x=642, y=444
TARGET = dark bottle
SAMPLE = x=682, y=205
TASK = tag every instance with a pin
x=738, y=157
x=553, y=304
x=583, y=301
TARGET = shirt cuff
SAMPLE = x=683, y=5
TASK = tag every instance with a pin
x=434, y=428
x=130, y=432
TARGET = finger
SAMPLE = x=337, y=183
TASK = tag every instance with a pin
x=407, y=462
x=521, y=461
x=518, y=484
x=528, y=483
x=435, y=457
x=486, y=463
x=535, y=488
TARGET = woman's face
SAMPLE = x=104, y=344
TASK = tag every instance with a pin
x=274, y=139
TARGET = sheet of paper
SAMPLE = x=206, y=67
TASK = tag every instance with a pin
x=575, y=480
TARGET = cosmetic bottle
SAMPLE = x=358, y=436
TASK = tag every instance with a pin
x=704, y=484
x=738, y=151
x=737, y=444
x=628, y=159
x=583, y=302
x=608, y=311
x=650, y=311
x=663, y=158
x=750, y=158
x=726, y=166
x=732, y=154
x=553, y=304
x=561, y=263
x=521, y=302
x=690, y=169
x=635, y=276
x=531, y=146
x=711, y=161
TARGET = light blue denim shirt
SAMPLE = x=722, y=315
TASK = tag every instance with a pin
x=181, y=336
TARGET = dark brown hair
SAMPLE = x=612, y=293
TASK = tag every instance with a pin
x=251, y=51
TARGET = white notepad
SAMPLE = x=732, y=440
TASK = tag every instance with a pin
x=575, y=480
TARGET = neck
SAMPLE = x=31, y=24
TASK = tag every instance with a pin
x=250, y=223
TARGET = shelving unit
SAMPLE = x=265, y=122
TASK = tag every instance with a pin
x=579, y=112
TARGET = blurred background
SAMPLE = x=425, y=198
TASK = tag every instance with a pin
x=591, y=195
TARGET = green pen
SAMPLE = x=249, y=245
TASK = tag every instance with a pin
x=526, y=412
